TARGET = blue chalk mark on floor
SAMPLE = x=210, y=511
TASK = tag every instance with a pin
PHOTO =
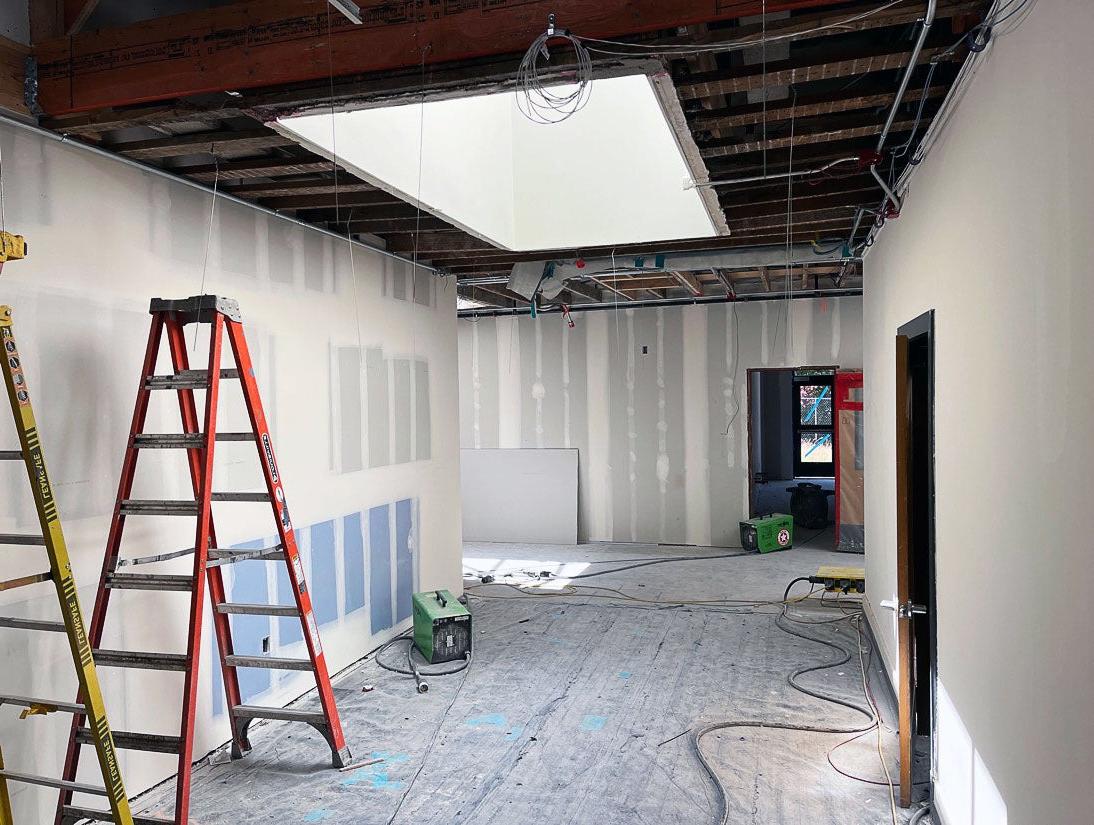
x=490, y=720
x=377, y=775
x=317, y=816
x=514, y=732
x=624, y=674
x=593, y=723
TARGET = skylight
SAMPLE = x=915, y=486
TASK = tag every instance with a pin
x=611, y=174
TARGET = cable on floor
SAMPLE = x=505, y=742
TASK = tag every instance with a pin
x=413, y=668
x=869, y=712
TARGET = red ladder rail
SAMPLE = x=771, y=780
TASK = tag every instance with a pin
x=199, y=438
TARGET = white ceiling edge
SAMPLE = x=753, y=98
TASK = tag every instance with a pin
x=611, y=174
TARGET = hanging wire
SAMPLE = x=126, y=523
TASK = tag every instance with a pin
x=535, y=99
x=3, y=215
x=208, y=235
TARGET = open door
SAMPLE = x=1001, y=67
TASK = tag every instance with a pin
x=915, y=545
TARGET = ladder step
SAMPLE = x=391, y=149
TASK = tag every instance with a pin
x=311, y=717
x=49, y=782
x=185, y=380
x=177, y=554
x=23, y=581
x=240, y=496
x=71, y=814
x=189, y=441
x=259, y=609
x=32, y=624
x=269, y=662
x=29, y=702
x=147, y=581
x=144, y=661
x=159, y=507
x=219, y=558
x=11, y=455
x=148, y=742
x=11, y=538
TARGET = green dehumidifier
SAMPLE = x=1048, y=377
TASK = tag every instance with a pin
x=442, y=627
x=767, y=533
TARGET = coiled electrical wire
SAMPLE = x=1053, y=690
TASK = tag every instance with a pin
x=535, y=97
x=413, y=668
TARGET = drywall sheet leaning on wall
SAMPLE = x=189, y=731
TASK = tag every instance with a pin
x=354, y=356
x=527, y=496
x=653, y=399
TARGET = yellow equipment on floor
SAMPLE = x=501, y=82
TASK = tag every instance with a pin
x=12, y=247
x=843, y=579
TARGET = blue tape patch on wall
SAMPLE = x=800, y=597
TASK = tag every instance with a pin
x=353, y=562
x=324, y=573
x=379, y=564
x=248, y=583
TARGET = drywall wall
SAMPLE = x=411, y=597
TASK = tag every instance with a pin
x=523, y=185
x=356, y=364
x=654, y=401
x=995, y=237
x=521, y=496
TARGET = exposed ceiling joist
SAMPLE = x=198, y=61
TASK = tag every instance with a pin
x=271, y=42
x=728, y=149
x=213, y=143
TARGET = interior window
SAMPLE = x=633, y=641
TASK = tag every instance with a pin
x=812, y=410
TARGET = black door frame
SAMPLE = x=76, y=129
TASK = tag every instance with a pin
x=919, y=333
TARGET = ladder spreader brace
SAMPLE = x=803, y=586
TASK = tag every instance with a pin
x=90, y=703
x=199, y=438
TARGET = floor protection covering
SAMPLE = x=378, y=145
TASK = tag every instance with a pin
x=577, y=709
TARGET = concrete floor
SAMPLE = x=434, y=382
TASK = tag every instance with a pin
x=575, y=709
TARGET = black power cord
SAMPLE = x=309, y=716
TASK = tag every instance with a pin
x=413, y=668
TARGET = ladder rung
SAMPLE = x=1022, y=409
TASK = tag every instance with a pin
x=185, y=380
x=258, y=609
x=177, y=554
x=136, y=659
x=190, y=441
x=12, y=538
x=269, y=662
x=76, y=813
x=219, y=558
x=159, y=507
x=11, y=455
x=311, y=717
x=32, y=624
x=50, y=782
x=147, y=581
x=241, y=497
x=149, y=742
x=23, y=581
x=28, y=702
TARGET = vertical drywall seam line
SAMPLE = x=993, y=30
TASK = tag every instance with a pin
x=696, y=427
x=662, y=424
x=834, y=324
x=632, y=431
x=538, y=389
x=476, y=387
x=566, y=388
x=597, y=401
x=509, y=394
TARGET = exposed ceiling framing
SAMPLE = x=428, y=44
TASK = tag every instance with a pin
x=193, y=93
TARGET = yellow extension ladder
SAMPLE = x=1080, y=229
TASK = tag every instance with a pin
x=90, y=700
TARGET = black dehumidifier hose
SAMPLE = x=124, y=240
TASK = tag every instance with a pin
x=413, y=668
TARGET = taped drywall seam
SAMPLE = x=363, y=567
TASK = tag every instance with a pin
x=662, y=422
x=632, y=431
x=598, y=415
x=476, y=387
x=765, y=341
x=509, y=394
x=696, y=426
x=566, y=387
x=834, y=323
x=538, y=390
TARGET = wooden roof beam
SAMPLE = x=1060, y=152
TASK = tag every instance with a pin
x=197, y=143
x=275, y=42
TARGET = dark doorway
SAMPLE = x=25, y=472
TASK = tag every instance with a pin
x=916, y=542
